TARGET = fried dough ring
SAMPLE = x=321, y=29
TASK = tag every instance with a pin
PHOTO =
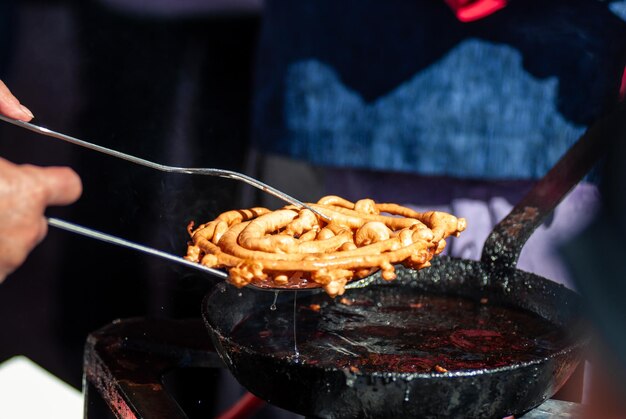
x=296, y=248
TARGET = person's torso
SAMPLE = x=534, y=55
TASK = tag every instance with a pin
x=404, y=86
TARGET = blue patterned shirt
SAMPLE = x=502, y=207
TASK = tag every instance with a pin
x=401, y=85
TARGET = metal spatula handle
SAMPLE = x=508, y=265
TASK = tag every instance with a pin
x=164, y=168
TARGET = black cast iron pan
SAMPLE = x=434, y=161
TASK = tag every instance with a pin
x=317, y=386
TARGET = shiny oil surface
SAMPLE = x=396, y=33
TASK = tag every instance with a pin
x=405, y=332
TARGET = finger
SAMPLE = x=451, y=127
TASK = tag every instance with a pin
x=62, y=184
x=11, y=107
x=43, y=230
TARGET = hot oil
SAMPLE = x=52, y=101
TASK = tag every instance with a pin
x=296, y=352
x=294, y=323
x=399, y=332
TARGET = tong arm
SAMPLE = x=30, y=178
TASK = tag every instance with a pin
x=94, y=234
x=164, y=168
x=108, y=238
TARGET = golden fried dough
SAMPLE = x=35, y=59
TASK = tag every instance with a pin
x=294, y=248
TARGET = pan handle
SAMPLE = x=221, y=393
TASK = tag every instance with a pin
x=504, y=244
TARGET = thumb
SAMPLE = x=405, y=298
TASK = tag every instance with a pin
x=62, y=183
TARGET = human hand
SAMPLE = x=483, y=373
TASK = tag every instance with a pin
x=11, y=107
x=25, y=192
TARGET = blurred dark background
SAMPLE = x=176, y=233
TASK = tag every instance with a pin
x=170, y=88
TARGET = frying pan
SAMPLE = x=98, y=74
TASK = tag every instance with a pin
x=334, y=392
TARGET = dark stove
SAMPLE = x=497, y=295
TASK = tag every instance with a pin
x=164, y=368
x=155, y=368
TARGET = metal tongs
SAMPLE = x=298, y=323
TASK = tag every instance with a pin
x=94, y=234
x=163, y=168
